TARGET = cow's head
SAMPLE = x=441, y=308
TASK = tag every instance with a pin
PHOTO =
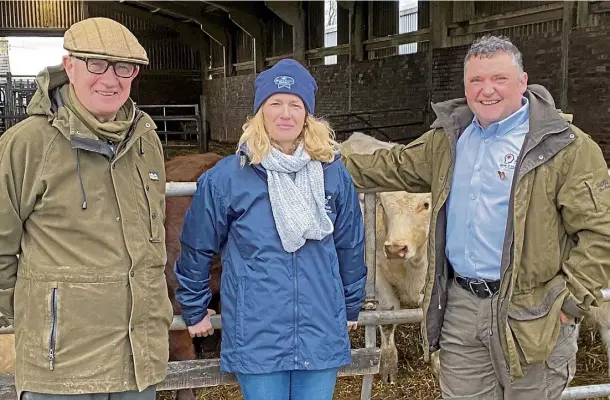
x=407, y=221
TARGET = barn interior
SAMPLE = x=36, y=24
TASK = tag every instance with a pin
x=379, y=66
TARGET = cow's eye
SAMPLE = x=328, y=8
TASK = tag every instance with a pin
x=426, y=205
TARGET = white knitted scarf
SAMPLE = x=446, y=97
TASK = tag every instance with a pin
x=298, y=205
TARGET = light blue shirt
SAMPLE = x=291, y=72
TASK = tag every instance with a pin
x=477, y=207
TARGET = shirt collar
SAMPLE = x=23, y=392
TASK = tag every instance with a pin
x=507, y=124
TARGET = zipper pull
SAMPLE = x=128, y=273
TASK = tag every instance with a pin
x=51, y=359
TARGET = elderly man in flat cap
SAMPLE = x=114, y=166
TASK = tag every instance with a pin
x=82, y=250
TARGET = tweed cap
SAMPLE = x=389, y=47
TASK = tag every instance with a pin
x=106, y=39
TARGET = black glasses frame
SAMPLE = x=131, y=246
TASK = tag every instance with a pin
x=108, y=64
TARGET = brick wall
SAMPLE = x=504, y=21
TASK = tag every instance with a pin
x=402, y=82
x=390, y=83
x=589, y=86
x=229, y=103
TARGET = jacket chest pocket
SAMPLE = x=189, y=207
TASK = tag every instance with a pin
x=155, y=201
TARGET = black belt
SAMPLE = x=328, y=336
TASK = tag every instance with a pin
x=479, y=287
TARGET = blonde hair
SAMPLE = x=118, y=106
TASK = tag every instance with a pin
x=318, y=138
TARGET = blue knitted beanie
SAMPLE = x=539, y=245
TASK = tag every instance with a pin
x=287, y=76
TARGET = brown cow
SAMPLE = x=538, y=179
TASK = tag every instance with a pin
x=186, y=169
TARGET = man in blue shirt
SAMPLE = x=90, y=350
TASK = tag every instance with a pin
x=477, y=211
x=519, y=244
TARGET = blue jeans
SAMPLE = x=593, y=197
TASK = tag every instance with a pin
x=293, y=385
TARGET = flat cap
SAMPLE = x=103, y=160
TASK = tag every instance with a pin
x=106, y=39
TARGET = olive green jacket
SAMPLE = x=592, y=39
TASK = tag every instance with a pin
x=82, y=251
x=556, y=252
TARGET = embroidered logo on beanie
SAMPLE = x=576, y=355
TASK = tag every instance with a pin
x=283, y=81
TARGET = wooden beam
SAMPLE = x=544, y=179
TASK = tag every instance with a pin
x=421, y=35
x=39, y=32
x=230, y=52
x=206, y=373
x=517, y=18
x=246, y=20
x=582, y=14
x=293, y=13
x=284, y=10
x=600, y=7
x=566, y=29
x=440, y=13
x=155, y=18
x=370, y=23
x=252, y=24
x=179, y=10
x=365, y=318
x=345, y=4
x=299, y=38
x=327, y=51
x=356, y=18
x=463, y=11
x=213, y=27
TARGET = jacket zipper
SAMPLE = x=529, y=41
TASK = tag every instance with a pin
x=296, y=314
x=52, y=336
x=440, y=307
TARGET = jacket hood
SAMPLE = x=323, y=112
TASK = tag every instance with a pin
x=46, y=99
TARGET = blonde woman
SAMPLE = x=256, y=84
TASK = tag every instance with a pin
x=285, y=215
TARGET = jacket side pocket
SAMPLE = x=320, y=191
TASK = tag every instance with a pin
x=239, y=323
x=534, y=321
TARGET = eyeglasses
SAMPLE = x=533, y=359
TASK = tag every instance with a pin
x=98, y=66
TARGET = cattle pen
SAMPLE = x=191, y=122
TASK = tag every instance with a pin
x=365, y=361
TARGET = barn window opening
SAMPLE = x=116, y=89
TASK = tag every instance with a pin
x=27, y=56
x=407, y=22
x=330, y=28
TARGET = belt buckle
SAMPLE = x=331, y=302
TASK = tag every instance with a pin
x=478, y=282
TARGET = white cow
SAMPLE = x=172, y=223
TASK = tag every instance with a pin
x=403, y=221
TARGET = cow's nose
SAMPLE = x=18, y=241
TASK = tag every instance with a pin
x=396, y=251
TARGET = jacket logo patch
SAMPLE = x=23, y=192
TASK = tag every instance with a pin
x=153, y=176
x=603, y=185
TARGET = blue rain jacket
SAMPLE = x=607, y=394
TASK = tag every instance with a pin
x=280, y=311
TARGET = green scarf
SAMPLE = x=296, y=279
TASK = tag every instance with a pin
x=113, y=131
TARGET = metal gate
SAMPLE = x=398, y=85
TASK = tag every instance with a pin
x=180, y=126
x=15, y=94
